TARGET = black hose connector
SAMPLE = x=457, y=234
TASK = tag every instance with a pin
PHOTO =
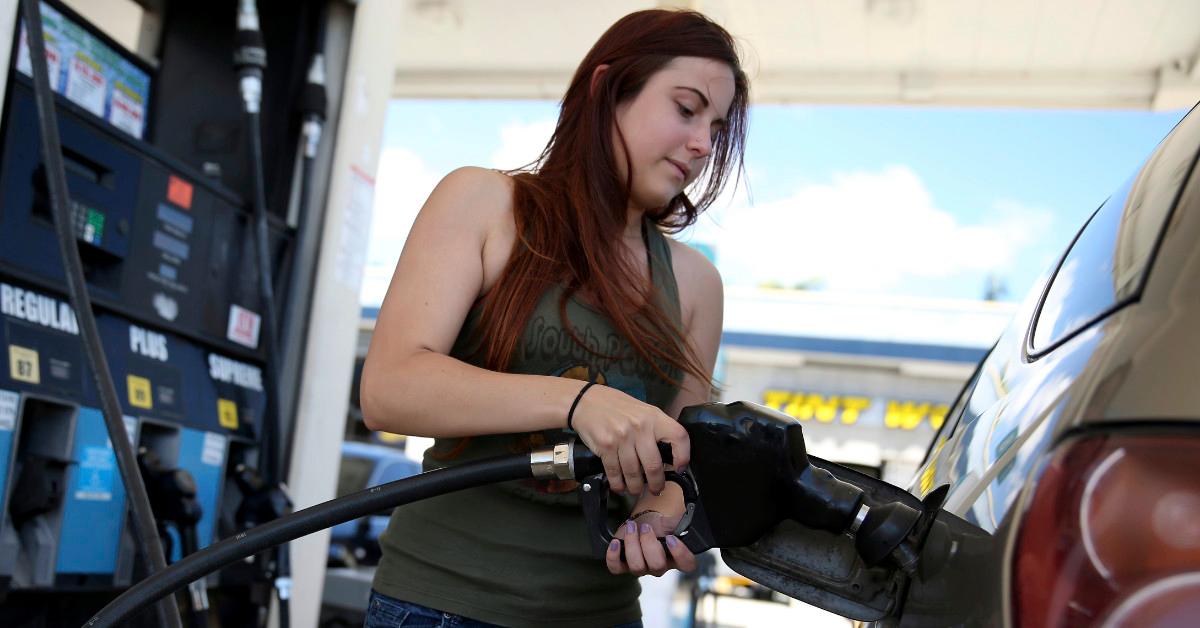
x=313, y=101
x=250, y=52
x=250, y=55
x=585, y=462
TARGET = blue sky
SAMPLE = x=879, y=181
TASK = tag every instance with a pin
x=875, y=200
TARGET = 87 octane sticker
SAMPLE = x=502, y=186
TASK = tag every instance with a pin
x=23, y=365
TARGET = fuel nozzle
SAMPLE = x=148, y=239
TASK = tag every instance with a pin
x=261, y=502
x=172, y=492
x=820, y=500
x=754, y=472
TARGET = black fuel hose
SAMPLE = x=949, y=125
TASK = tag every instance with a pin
x=307, y=521
x=250, y=59
x=145, y=530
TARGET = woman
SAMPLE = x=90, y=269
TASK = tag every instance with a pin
x=512, y=289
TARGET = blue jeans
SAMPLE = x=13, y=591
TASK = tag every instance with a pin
x=388, y=612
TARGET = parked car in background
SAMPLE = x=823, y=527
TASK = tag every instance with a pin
x=354, y=545
x=364, y=465
x=1071, y=458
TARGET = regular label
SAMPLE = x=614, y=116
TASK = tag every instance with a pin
x=23, y=365
x=213, y=453
x=139, y=392
x=227, y=414
x=9, y=401
x=37, y=309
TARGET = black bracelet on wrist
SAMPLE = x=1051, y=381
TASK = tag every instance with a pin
x=571, y=412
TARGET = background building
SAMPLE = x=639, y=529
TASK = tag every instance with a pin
x=870, y=377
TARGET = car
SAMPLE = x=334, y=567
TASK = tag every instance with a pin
x=356, y=543
x=1068, y=469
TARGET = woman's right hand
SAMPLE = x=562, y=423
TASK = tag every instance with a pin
x=625, y=433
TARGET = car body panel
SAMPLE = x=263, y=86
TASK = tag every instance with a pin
x=1132, y=363
x=1118, y=349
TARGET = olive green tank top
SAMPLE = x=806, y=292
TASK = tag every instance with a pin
x=517, y=554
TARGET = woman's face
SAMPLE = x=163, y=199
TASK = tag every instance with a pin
x=669, y=127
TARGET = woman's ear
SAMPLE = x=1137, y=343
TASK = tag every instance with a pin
x=599, y=72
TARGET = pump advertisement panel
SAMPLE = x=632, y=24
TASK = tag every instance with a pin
x=90, y=73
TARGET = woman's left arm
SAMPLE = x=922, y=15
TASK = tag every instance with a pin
x=702, y=305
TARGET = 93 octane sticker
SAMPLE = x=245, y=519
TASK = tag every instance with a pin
x=227, y=414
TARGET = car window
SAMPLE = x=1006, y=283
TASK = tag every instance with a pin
x=354, y=474
x=1107, y=263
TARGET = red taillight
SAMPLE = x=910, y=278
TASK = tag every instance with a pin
x=1112, y=535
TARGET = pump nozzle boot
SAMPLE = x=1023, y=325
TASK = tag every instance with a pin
x=172, y=492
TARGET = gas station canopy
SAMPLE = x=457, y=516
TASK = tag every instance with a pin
x=1116, y=54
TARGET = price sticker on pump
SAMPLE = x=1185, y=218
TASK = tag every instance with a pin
x=86, y=85
x=53, y=59
x=23, y=365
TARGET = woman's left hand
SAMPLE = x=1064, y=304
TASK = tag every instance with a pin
x=643, y=549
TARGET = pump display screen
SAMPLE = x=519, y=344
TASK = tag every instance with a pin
x=90, y=73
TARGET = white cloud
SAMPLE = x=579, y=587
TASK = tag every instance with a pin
x=867, y=231
x=521, y=143
x=710, y=226
x=404, y=182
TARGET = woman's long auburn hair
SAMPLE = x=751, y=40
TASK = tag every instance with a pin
x=571, y=207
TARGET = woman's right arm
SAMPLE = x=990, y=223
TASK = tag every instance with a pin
x=410, y=385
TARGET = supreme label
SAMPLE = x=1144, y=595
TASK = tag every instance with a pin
x=223, y=369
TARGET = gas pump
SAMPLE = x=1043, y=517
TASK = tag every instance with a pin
x=174, y=340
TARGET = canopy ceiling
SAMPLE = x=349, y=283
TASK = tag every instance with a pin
x=1129, y=54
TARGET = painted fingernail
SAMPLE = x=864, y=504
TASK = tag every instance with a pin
x=614, y=545
x=672, y=541
x=630, y=527
x=646, y=528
